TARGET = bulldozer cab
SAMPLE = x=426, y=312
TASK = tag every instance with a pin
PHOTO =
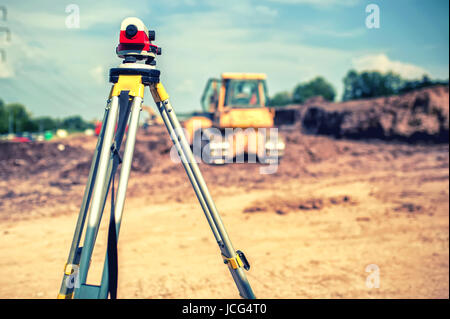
x=235, y=90
x=242, y=93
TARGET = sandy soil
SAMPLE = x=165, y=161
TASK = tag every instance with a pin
x=309, y=231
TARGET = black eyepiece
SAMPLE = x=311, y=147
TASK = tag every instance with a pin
x=131, y=31
x=151, y=35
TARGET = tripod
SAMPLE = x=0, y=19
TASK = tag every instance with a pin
x=123, y=107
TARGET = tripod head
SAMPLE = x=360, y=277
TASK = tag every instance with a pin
x=135, y=41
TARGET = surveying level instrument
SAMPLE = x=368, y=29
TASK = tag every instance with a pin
x=123, y=108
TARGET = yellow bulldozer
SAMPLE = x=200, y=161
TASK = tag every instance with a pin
x=235, y=123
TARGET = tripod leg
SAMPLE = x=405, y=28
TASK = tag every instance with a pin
x=175, y=130
x=99, y=185
x=66, y=290
x=123, y=183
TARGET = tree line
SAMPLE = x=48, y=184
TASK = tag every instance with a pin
x=14, y=117
x=357, y=85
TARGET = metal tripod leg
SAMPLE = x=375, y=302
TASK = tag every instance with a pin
x=196, y=178
x=103, y=168
x=123, y=183
x=96, y=208
x=67, y=285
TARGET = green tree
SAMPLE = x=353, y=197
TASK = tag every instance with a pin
x=21, y=118
x=418, y=84
x=316, y=87
x=3, y=118
x=46, y=123
x=280, y=99
x=75, y=123
x=370, y=84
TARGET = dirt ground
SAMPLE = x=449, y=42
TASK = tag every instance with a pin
x=311, y=230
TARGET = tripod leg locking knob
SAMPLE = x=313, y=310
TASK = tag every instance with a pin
x=238, y=261
x=116, y=153
x=69, y=269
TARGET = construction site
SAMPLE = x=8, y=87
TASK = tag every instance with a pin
x=386, y=204
x=335, y=188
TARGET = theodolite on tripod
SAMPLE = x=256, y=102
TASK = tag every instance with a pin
x=124, y=105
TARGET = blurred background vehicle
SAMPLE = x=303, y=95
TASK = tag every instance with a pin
x=236, y=101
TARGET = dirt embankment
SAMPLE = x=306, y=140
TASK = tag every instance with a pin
x=332, y=209
x=41, y=175
x=418, y=116
x=52, y=175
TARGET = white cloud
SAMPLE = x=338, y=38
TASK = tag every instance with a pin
x=68, y=67
x=98, y=74
x=41, y=20
x=175, y=3
x=241, y=10
x=106, y=14
x=6, y=70
x=65, y=64
x=380, y=62
x=91, y=13
x=63, y=70
x=333, y=32
x=321, y=3
x=264, y=10
x=187, y=86
x=15, y=54
x=216, y=43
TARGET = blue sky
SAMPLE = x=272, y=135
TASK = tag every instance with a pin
x=58, y=71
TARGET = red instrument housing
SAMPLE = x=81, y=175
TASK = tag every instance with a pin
x=139, y=41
